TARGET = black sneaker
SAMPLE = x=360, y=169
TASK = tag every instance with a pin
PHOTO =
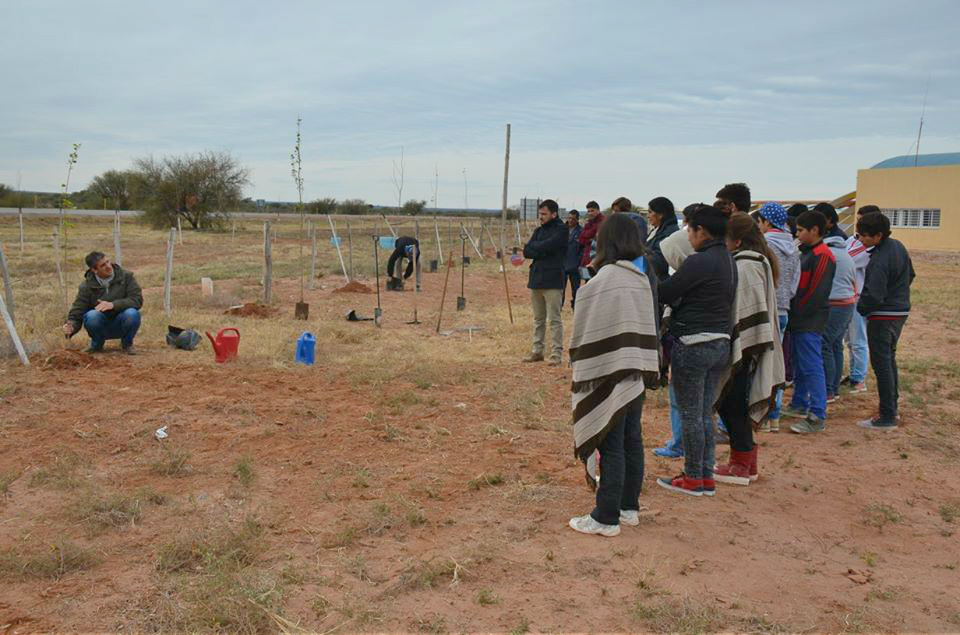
x=92, y=350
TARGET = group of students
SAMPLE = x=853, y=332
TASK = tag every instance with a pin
x=709, y=307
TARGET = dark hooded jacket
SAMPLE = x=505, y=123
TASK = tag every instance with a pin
x=666, y=227
x=123, y=291
x=546, y=248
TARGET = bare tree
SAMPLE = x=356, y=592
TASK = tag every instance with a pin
x=398, y=179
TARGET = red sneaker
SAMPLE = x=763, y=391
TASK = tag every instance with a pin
x=682, y=484
x=737, y=471
x=709, y=487
x=754, y=471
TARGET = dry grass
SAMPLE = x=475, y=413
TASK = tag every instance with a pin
x=61, y=472
x=49, y=563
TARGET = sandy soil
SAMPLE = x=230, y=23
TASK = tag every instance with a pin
x=435, y=497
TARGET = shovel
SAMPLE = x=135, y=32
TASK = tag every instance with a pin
x=301, y=311
x=462, y=300
x=352, y=316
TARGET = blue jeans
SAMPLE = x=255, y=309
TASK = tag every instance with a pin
x=809, y=383
x=621, y=466
x=697, y=373
x=838, y=321
x=859, y=349
x=101, y=327
x=676, y=440
x=778, y=403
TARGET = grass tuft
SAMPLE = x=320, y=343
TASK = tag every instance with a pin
x=243, y=471
x=484, y=480
x=879, y=515
x=53, y=563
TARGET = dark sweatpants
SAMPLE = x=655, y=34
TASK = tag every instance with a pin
x=734, y=409
x=621, y=466
x=882, y=337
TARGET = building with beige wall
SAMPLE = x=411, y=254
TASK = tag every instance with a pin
x=921, y=197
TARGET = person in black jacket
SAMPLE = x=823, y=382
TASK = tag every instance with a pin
x=885, y=302
x=404, y=247
x=701, y=293
x=663, y=218
x=571, y=260
x=546, y=249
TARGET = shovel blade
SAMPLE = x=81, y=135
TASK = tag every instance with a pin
x=461, y=303
x=301, y=311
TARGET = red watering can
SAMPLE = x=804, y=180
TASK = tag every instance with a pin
x=226, y=343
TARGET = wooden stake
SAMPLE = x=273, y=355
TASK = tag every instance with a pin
x=267, y=264
x=416, y=270
x=350, y=248
x=56, y=256
x=12, y=330
x=506, y=174
x=168, y=278
x=7, y=287
x=473, y=243
x=443, y=297
x=180, y=231
x=436, y=226
x=313, y=256
x=389, y=226
x=117, y=256
x=20, y=214
x=336, y=242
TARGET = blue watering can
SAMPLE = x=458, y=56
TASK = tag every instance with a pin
x=306, y=349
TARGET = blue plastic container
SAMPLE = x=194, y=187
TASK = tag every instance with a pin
x=306, y=349
x=387, y=242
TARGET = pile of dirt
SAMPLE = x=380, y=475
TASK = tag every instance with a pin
x=67, y=359
x=250, y=309
x=354, y=287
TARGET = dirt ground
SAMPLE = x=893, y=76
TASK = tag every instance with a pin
x=415, y=481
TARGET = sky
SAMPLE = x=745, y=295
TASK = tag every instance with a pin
x=605, y=99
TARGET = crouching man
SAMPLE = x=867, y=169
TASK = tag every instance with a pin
x=107, y=305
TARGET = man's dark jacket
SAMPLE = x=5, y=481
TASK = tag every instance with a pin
x=571, y=262
x=399, y=250
x=886, y=287
x=124, y=292
x=546, y=248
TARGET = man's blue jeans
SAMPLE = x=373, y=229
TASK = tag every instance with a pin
x=102, y=327
x=837, y=323
x=775, y=411
x=859, y=348
x=809, y=383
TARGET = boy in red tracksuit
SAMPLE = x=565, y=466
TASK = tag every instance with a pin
x=809, y=310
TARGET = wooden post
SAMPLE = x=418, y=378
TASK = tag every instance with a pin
x=56, y=256
x=313, y=256
x=506, y=174
x=350, y=248
x=20, y=214
x=436, y=226
x=7, y=287
x=473, y=243
x=233, y=231
x=12, y=330
x=117, y=256
x=443, y=296
x=336, y=242
x=416, y=270
x=267, y=264
x=389, y=226
x=168, y=277
x=180, y=230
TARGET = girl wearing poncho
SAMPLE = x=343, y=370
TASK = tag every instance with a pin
x=757, y=358
x=615, y=355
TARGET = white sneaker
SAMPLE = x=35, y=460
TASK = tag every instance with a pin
x=587, y=525
x=630, y=517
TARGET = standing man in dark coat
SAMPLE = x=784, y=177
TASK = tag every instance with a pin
x=546, y=249
x=571, y=261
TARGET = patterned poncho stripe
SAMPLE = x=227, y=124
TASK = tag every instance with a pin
x=756, y=335
x=613, y=350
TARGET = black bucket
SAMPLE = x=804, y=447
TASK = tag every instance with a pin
x=433, y=266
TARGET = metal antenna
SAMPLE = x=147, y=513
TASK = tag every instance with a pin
x=923, y=110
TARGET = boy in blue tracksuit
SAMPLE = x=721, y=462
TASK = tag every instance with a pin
x=885, y=302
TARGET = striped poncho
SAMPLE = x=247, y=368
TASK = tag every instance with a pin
x=756, y=334
x=615, y=347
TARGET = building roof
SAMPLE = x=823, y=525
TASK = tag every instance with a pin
x=923, y=160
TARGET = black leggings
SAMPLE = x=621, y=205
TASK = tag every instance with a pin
x=733, y=409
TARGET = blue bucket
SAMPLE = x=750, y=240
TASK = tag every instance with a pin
x=306, y=349
x=336, y=241
x=387, y=242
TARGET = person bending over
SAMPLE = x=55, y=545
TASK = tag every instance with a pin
x=405, y=247
x=107, y=305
